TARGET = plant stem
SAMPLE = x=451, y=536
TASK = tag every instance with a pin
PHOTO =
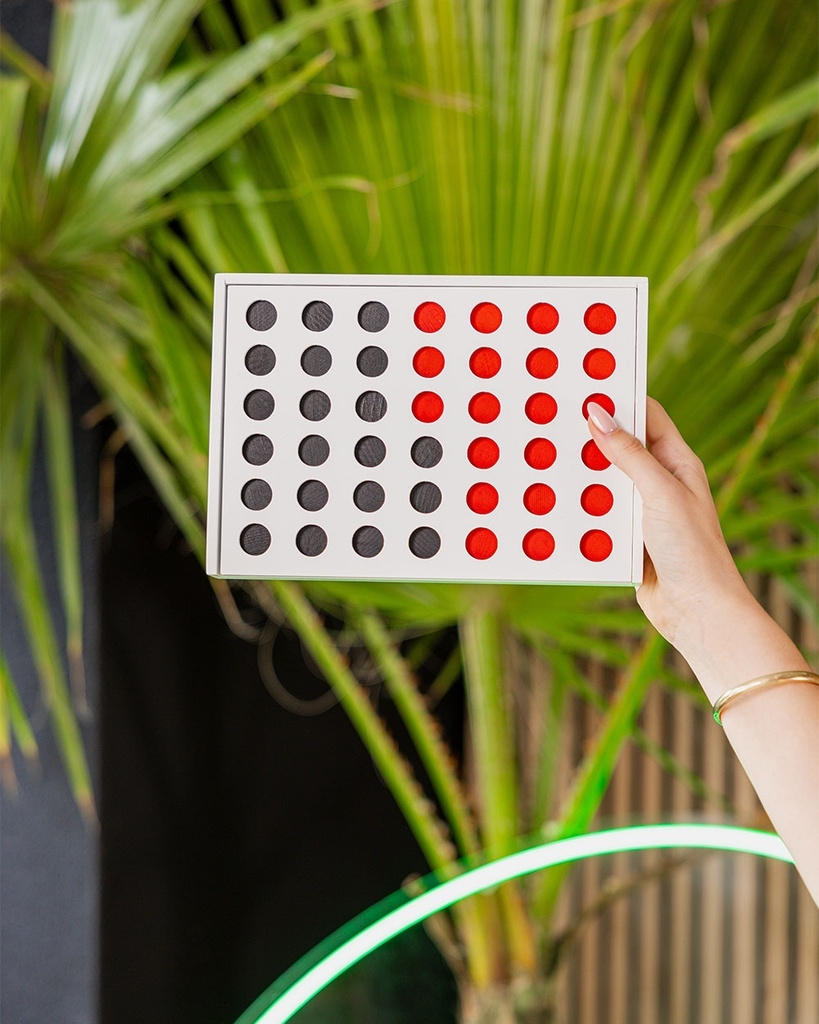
x=481, y=642
x=477, y=917
x=427, y=828
x=495, y=768
x=424, y=730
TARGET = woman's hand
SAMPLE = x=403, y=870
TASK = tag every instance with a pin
x=689, y=573
x=694, y=595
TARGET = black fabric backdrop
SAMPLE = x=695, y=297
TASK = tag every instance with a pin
x=236, y=835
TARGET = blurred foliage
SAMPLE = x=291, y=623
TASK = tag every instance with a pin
x=675, y=139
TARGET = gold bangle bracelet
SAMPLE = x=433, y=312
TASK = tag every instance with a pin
x=762, y=683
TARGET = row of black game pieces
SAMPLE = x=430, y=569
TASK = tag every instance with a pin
x=368, y=496
x=371, y=406
x=316, y=360
x=367, y=541
x=370, y=451
x=317, y=316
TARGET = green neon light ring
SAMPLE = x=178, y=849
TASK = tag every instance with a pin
x=314, y=972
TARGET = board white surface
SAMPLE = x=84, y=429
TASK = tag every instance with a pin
x=237, y=533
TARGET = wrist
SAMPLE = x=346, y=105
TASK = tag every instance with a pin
x=731, y=639
x=708, y=616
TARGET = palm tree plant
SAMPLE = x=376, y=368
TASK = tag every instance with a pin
x=170, y=140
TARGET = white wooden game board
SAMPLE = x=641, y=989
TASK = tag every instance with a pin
x=423, y=428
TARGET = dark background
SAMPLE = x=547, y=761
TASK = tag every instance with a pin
x=234, y=835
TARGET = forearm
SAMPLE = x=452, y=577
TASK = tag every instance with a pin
x=693, y=594
x=775, y=732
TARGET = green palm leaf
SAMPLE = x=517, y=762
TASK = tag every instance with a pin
x=676, y=141
x=76, y=179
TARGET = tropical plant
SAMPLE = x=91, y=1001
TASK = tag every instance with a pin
x=675, y=140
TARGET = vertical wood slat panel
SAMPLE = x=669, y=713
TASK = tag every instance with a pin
x=589, y=949
x=744, y=911
x=712, y=939
x=682, y=890
x=620, y=959
x=776, y=946
x=737, y=938
x=651, y=810
x=567, y=906
x=806, y=1001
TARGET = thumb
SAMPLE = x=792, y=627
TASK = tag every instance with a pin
x=627, y=452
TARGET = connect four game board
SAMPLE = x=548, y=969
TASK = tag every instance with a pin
x=423, y=428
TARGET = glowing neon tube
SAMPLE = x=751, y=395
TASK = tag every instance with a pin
x=309, y=976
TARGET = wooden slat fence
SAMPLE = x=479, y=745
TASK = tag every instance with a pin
x=720, y=939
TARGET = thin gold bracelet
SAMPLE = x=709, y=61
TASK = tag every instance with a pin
x=762, y=683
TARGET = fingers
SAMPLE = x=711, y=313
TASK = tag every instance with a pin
x=650, y=470
x=626, y=452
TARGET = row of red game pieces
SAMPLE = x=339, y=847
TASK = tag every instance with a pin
x=485, y=362
x=539, y=499
x=485, y=407
x=542, y=318
x=539, y=544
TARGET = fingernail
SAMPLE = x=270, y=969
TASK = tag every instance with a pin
x=601, y=419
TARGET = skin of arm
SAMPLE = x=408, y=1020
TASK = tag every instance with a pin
x=693, y=593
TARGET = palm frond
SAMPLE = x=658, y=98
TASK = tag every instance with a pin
x=672, y=140
x=126, y=119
